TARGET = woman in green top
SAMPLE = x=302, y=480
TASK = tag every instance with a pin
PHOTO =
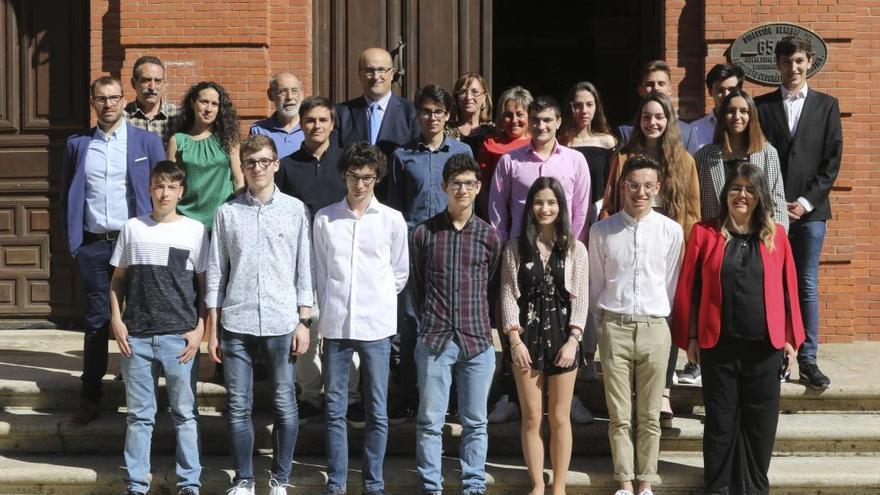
x=206, y=143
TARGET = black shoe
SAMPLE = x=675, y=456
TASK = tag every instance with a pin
x=134, y=493
x=399, y=415
x=186, y=491
x=375, y=492
x=355, y=416
x=88, y=411
x=812, y=377
x=308, y=413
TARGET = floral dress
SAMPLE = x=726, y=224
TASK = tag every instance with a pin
x=544, y=311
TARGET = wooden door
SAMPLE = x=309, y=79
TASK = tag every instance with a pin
x=43, y=98
x=442, y=39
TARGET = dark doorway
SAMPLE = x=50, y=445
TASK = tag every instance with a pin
x=546, y=47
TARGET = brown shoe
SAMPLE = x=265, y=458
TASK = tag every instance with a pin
x=88, y=411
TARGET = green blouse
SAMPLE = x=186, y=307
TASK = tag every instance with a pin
x=208, y=177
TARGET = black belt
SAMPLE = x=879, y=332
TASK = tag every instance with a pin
x=103, y=236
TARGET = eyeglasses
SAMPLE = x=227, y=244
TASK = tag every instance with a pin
x=103, y=100
x=355, y=178
x=739, y=188
x=427, y=113
x=371, y=71
x=456, y=185
x=262, y=162
x=636, y=187
x=474, y=93
x=289, y=91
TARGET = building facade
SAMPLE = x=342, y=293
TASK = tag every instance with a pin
x=51, y=50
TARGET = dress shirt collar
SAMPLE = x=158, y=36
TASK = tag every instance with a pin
x=137, y=112
x=277, y=125
x=383, y=101
x=447, y=222
x=421, y=145
x=253, y=201
x=791, y=95
x=631, y=221
x=373, y=207
x=556, y=149
x=121, y=132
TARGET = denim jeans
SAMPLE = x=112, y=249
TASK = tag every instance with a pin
x=374, y=356
x=150, y=356
x=93, y=264
x=472, y=378
x=239, y=351
x=806, y=240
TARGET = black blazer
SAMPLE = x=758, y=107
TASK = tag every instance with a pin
x=810, y=160
x=399, y=125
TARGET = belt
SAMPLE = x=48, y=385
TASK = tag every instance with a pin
x=620, y=318
x=103, y=236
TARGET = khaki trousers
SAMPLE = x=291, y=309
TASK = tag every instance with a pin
x=634, y=351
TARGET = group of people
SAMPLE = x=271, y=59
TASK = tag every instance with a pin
x=418, y=227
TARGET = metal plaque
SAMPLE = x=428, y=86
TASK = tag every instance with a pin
x=753, y=51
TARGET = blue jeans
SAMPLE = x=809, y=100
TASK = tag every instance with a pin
x=150, y=356
x=472, y=377
x=374, y=356
x=806, y=240
x=93, y=264
x=239, y=351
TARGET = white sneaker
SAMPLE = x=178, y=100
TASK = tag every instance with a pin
x=623, y=492
x=580, y=415
x=646, y=491
x=504, y=411
x=242, y=488
x=276, y=488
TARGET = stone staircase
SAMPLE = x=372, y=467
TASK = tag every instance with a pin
x=827, y=443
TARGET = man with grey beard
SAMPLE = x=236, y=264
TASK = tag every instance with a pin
x=286, y=93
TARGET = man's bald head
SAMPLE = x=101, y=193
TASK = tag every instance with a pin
x=285, y=92
x=375, y=72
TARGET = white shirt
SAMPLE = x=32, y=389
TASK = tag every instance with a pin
x=793, y=102
x=360, y=266
x=634, y=265
x=702, y=132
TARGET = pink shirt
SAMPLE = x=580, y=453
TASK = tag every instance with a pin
x=518, y=170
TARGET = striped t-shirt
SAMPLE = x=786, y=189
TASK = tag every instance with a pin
x=161, y=260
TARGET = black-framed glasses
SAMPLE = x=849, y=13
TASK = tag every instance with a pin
x=355, y=178
x=371, y=71
x=427, y=112
x=739, y=188
x=111, y=99
x=456, y=185
x=262, y=162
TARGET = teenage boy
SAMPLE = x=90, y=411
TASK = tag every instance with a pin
x=160, y=261
x=455, y=254
x=720, y=81
x=635, y=257
x=259, y=275
x=361, y=264
x=655, y=76
x=415, y=189
x=810, y=158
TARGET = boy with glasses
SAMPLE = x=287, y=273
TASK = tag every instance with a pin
x=259, y=273
x=455, y=254
x=361, y=264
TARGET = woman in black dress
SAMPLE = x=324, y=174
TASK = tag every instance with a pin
x=544, y=301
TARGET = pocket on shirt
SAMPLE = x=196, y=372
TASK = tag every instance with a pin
x=177, y=259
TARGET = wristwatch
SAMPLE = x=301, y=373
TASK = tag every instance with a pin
x=578, y=336
x=306, y=322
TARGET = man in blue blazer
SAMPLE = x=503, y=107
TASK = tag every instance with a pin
x=106, y=182
x=378, y=116
x=804, y=127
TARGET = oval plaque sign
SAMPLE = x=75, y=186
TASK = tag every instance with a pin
x=753, y=51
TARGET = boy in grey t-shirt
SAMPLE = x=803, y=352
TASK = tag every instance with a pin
x=158, y=257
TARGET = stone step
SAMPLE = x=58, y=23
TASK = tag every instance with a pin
x=802, y=434
x=681, y=475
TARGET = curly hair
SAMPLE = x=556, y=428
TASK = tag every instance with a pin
x=360, y=153
x=225, y=126
x=599, y=125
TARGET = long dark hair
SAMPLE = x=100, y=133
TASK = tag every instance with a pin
x=528, y=240
x=762, y=217
x=225, y=126
x=599, y=125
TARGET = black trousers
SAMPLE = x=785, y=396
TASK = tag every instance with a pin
x=741, y=395
x=93, y=263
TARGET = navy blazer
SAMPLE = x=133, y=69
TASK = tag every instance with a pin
x=144, y=151
x=399, y=124
x=810, y=160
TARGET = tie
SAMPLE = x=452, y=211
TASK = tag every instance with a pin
x=375, y=121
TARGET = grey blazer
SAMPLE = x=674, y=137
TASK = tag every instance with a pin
x=710, y=168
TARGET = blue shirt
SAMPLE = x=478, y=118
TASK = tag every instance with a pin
x=106, y=164
x=286, y=142
x=416, y=179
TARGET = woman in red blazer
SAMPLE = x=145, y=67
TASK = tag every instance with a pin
x=736, y=313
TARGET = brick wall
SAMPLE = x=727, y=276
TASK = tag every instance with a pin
x=238, y=43
x=849, y=272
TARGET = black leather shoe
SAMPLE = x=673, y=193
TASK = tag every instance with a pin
x=88, y=411
x=812, y=377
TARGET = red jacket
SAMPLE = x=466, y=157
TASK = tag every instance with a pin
x=702, y=263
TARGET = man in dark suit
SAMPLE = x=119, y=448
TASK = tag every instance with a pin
x=106, y=182
x=804, y=127
x=656, y=76
x=378, y=116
